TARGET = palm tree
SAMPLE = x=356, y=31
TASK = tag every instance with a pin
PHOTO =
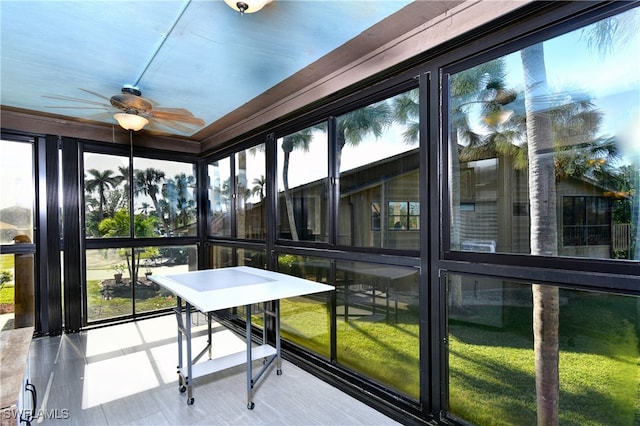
x=351, y=128
x=543, y=230
x=561, y=142
x=406, y=111
x=178, y=204
x=298, y=140
x=148, y=182
x=144, y=208
x=115, y=201
x=577, y=149
x=124, y=177
x=259, y=185
x=355, y=125
x=101, y=181
x=169, y=202
x=548, y=155
x=542, y=196
x=185, y=203
x=483, y=86
x=242, y=193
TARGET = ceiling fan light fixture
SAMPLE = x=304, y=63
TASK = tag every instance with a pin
x=132, y=122
x=247, y=6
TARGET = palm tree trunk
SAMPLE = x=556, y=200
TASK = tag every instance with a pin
x=241, y=195
x=546, y=310
x=102, y=202
x=455, y=281
x=287, y=197
x=165, y=222
x=542, y=198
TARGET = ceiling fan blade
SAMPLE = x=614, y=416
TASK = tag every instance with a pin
x=76, y=107
x=72, y=99
x=106, y=98
x=165, y=115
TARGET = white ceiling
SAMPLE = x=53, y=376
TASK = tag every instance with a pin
x=195, y=54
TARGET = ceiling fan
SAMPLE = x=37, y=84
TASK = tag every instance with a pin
x=133, y=112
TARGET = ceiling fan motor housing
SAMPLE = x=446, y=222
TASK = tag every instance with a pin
x=131, y=90
x=131, y=101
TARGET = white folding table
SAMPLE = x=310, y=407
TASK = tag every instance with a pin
x=215, y=289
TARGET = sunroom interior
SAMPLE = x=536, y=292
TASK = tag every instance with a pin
x=464, y=174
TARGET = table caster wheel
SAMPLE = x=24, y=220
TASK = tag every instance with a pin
x=190, y=401
x=251, y=405
x=183, y=389
x=279, y=372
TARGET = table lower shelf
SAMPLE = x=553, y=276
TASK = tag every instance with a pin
x=222, y=363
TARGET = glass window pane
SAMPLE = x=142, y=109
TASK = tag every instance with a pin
x=255, y=258
x=149, y=296
x=164, y=198
x=17, y=194
x=306, y=320
x=544, y=148
x=109, y=291
x=221, y=257
x=251, y=192
x=220, y=198
x=302, y=185
x=106, y=195
x=110, y=273
x=378, y=323
x=379, y=166
x=491, y=356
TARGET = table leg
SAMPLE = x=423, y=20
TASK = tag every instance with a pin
x=278, y=358
x=250, y=403
x=184, y=382
x=209, y=342
x=189, y=380
x=178, y=312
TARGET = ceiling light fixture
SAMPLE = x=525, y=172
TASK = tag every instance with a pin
x=248, y=6
x=129, y=121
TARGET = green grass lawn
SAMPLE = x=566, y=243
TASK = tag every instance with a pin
x=388, y=352
x=100, y=308
x=7, y=294
x=6, y=261
x=7, y=291
x=491, y=369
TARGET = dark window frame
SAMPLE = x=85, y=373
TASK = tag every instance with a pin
x=578, y=229
x=406, y=218
x=79, y=314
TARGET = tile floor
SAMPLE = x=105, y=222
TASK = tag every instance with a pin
x=126, y=375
